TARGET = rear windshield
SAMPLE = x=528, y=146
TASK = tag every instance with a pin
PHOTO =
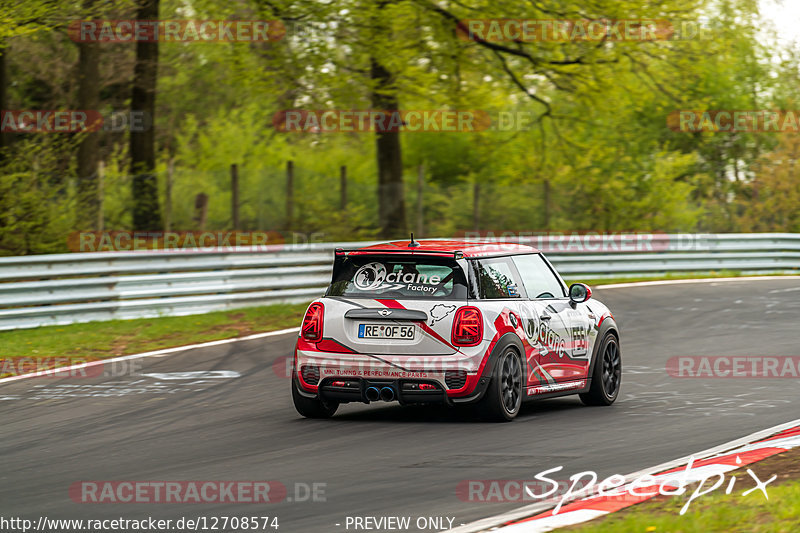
x=372, y=276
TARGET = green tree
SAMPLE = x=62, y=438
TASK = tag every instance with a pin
x=146, y=213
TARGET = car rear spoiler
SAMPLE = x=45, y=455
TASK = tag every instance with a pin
x=458, y=254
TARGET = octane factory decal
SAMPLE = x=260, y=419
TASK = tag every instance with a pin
x=440, y=311
x=370, y=276
x=552, y=341
x=375, y=276
x=555, y=387
x=529, y=322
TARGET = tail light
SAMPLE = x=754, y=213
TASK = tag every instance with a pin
x=311, y=330
x=467, y=327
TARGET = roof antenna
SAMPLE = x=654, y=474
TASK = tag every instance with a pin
x=413, y=243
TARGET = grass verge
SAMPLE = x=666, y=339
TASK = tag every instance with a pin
x=98, y=340
x=663, y=277
x=717, y=512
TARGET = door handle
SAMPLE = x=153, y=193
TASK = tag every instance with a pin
x=545, y=317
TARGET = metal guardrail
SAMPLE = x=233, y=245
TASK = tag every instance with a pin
x=82, y=287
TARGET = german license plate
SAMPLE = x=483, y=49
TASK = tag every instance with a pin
x=384, y=331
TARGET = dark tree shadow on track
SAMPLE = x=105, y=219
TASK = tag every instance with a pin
x=440, y=414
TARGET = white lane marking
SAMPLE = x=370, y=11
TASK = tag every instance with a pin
x=201, y=374
x=702, y=280
x=792, y=289
x=156, y=353
x=554, y=522
x=493, y=522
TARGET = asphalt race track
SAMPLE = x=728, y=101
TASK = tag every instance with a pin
x=390, y=461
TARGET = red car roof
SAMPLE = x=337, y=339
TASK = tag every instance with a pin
x=448, y=247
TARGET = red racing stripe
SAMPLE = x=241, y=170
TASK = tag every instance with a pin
x=394, y=304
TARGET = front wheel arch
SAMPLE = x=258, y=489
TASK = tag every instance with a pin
x=609, y=326
x=608, y=357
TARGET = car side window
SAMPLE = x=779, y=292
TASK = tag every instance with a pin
x=497, y=279
x=537, y=277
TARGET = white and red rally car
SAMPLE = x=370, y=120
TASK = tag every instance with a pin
x=453, y=322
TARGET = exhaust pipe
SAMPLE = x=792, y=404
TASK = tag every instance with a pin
x=387, y=394
x=373, y=394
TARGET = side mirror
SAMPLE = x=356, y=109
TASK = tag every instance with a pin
x=579, y=293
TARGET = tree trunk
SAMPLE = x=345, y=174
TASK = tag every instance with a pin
x=289, y=195
x=476, y=212
x=420, y=204
x=391, y=198
x=546, y=185
x=3, y=107
x=3, y=98
x=343, y=187
x=235, y=196
x=146, y=215
x=88, y=157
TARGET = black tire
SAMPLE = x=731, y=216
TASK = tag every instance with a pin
x=312, y=407
x=503, y=397
x=607, y=374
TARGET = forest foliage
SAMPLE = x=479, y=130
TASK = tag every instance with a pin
x=595, y=151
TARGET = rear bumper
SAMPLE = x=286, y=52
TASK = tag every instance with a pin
x=355, y=390
x=403, y=390
x=424, y=379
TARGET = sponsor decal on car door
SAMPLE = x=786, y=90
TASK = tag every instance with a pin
x=562, y=340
